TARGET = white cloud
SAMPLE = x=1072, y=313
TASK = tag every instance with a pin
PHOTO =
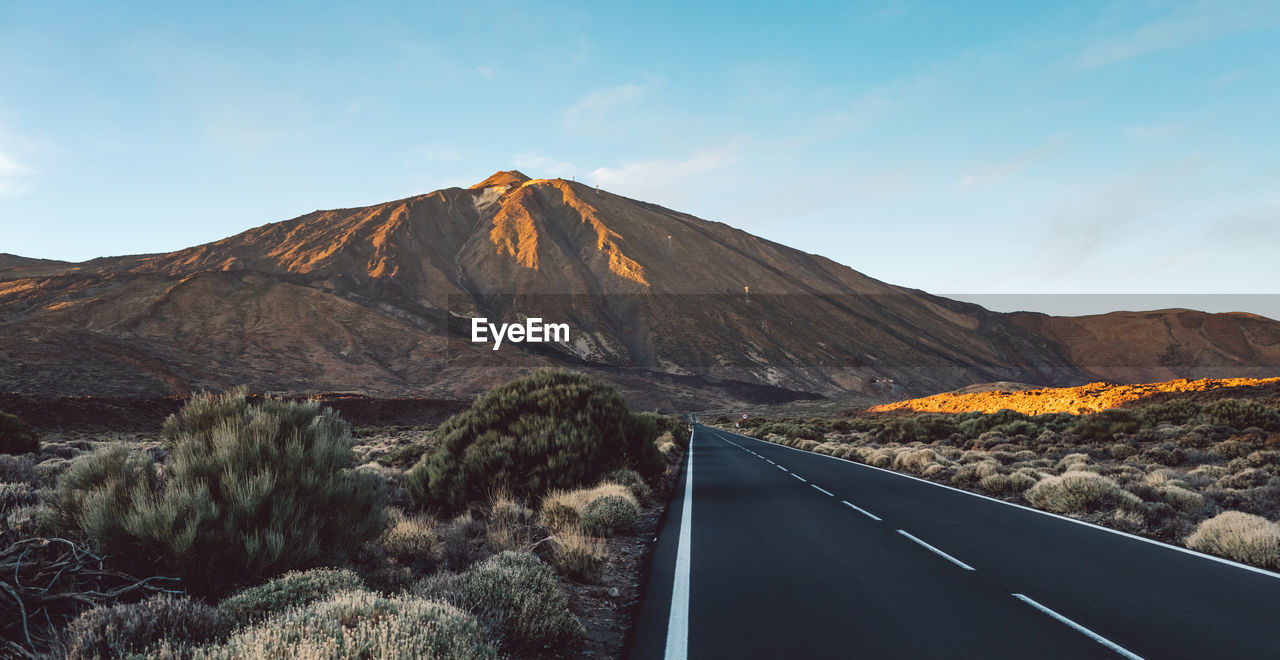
x=486, y=72
x=660, y=180
x=599, y=106
x=1205, y=22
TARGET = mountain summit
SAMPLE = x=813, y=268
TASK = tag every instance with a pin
x=379, y=299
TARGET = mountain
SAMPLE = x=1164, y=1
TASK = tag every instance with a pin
x=378, y=300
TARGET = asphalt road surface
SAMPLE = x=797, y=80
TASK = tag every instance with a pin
x=770, y=552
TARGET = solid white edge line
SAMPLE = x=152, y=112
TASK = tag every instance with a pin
x=860, y=510
x=799, y=477
x=1081, y=629
x=940, y=553
x=823, y=490
x=678, y=621
x=1117, y=532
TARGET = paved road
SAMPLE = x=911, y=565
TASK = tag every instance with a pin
x=789, y=554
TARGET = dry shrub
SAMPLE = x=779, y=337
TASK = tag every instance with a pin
x=1182, y=498
x=1080, y=492
x=519, y=598
x=360, y=624
x=633, y=481
x=971, y=473
x=1244, y=479
x=1239, y=536
x=1007, y=484
x=915, y=460
x=1066, y=463
x=110, y=631
x=287, y=591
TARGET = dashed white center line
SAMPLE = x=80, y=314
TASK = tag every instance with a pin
x=770, y=462
x=938, y=552
x=1081, y=629
x=860, y=510
x=780, y=467
x=822, y=490
x=798, y=477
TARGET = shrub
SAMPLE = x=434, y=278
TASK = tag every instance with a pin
x=1182, y=498
x=546, y=431
x=609, y=515
x=110, y=631
x=1248, y=478
x=289, y=590
x=579, y=556
x=249, y=491
x=1007, y=484
x=18, y=469
x=15, y=437
x=1239, y=536
x=520, y=599
x=1242, y=414
x=1079, y=492
x=916, y=461
x=1177, y=412
x=405, y=455
x=1104, y=425
x=975, y=472
x=361, y=624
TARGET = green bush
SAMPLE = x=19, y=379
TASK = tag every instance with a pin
x=1242, y=414
x=249, y=491
x=609, y=515
x=546, y=431
x=111, y=631
x=520, y=599
x=1104, y=425
x=15, y=437
x=289, y=590
x=973, y=425
x=359, y=625
x=1176, y=411
x=633, y=481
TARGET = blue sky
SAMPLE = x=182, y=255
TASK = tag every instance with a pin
x=972, y=149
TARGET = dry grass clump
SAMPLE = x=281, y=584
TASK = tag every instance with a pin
x=633, y=481
x=603, y=509
x=971, y=473
x=579, y=556
x=360, y=624
x=510, y=525
x=1080, y=492
x=411, y=539
x=1239, y=536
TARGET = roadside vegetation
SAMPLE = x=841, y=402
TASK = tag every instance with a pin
x=1205, y=475
x=262, y=528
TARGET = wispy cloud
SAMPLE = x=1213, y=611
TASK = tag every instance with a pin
x=598, y=107
x=11, y=176
x=1157, y=131
x=660, y=179
x=1201, y=23
x=991, y=175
